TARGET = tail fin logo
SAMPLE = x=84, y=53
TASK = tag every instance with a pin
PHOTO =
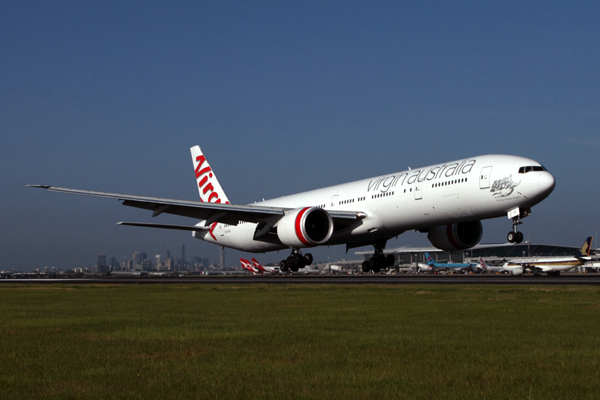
x=209, y=188
x=482, y=263
x=202, y=177
x=586, y=248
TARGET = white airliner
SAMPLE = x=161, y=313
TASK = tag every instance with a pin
x=489, y=268
x=552, y=265
x=445, y=200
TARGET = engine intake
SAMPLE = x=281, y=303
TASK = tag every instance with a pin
x=305, y=227
x=459, y=236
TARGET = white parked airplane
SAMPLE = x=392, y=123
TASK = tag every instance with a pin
x=489, y=268
x=445, y=200
x=552, y=265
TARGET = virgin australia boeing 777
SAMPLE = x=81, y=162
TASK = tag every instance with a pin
x=445, y=200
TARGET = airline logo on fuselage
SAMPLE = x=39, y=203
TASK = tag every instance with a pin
x=504, y=187
x=421, y=175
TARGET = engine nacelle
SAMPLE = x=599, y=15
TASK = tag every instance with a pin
x=305, y=227
x=459, y=236
x=517, y=271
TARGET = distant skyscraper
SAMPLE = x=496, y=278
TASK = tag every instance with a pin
x=101, y=260
x=183, y=253
x=101, y=264
x=113, y=264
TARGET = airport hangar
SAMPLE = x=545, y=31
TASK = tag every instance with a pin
x=493, y=254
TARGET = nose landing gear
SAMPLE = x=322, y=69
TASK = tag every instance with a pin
x=515, y=236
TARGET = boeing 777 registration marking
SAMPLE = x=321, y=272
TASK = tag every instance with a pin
x=447, y=201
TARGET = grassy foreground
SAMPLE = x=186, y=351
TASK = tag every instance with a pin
x=284, y=341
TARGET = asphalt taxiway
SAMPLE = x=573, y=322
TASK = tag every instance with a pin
x=401, y=279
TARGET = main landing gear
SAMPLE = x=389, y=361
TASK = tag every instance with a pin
x=378, y=261
x=295, y=261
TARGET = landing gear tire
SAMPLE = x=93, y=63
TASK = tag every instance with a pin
x=283, y=266
x=511, y=237
x=390, y=260
x=376, y=262
x=308, y=259
x=366, y=267
x=515, y=237
x=296, y=261
x=519, y=237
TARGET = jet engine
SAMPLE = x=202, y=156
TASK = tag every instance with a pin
x=459, y=236
x=305, y=227
x=517, y=271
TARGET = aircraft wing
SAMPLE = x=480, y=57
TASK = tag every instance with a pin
x=230, y=214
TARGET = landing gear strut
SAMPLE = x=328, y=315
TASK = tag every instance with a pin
x=378, y=261
x=295, y=261
x=515, y=236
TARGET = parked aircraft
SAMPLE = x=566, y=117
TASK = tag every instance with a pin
x=443, y=266
x=489, y=268
x=267, y=269
x=552, y=265
x=424, y=267
x=248, y=267
x=447, y=201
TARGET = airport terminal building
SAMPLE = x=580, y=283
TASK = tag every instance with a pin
x=492, y=254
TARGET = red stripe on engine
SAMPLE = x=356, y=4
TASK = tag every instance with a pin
x=299, y=227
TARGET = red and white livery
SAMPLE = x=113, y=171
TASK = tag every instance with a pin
x=447, y=201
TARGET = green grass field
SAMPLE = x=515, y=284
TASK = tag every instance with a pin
x=304, y=341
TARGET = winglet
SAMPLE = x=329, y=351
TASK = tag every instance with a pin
x=40, y=186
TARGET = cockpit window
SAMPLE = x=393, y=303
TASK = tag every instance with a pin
x=524, y=170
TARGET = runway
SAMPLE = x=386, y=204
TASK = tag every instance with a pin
x=402, y=279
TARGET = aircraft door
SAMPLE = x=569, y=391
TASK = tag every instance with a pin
x=418, y=190
x=484, y=178
x=334, y=202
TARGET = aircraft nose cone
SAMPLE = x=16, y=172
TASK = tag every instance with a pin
x=547, y=183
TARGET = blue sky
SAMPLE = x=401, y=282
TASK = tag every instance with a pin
x=282, y=97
